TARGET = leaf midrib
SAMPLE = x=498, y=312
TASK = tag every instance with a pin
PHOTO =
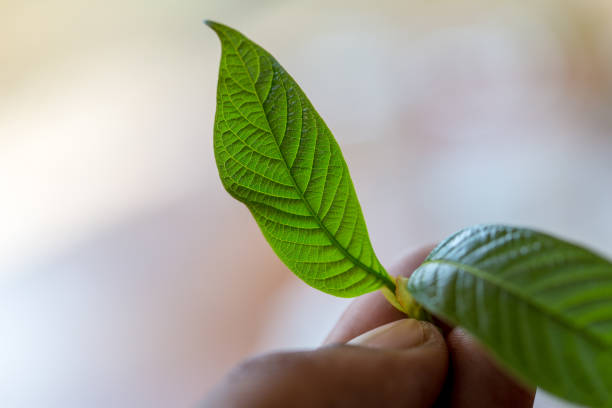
x=384, y=277
x=513, y=291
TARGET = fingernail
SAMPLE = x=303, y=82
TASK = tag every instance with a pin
x=401, y=334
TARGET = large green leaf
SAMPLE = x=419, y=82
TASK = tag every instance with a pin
x=542, y=306
x=277, y=156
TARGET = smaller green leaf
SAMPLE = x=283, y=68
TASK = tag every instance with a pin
x=543, y=306
x=277, y=156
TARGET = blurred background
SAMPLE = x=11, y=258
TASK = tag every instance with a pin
x=129, y=278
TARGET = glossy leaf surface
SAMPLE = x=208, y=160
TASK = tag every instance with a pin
x=541, y=305
x=276, y=155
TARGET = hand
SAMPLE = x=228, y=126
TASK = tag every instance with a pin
x=473, y=378
x=389, y=361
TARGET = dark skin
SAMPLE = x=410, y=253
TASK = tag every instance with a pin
x=391, y=361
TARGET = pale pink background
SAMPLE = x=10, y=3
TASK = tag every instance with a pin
x=129, y=278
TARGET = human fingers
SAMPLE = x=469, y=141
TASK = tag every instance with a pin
x=402, y=364
x=471, y=366
x=476, y=380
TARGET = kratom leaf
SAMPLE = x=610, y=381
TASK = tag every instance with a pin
x=276, y=155
x=541, y=305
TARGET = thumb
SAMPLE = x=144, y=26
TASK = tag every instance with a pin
x=409, y=361
x=401, y=364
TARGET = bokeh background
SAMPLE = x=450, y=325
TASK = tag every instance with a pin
x=129, y=278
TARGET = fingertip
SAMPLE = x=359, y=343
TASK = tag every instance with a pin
x=404, y=362
x=410, y=260
x=364, y=313
x=403, y=333
x=478, y=379
x=433, y=334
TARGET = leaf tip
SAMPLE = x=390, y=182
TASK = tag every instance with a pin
x=216, y=27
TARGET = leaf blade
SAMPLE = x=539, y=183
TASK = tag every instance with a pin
x=276, y=155
x=543, y=306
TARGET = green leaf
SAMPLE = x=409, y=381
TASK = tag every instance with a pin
x=276, y=155
x=541, y=305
